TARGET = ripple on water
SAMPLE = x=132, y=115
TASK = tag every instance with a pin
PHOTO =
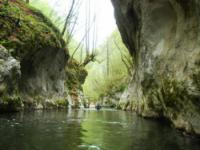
x=105, y=131
x=124, y=125
x=12, y=125
x=89, y=147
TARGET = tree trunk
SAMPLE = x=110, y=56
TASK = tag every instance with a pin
x=69, y=15
x=108, y=61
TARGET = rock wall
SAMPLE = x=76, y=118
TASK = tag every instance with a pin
x=33, y=60
x=9, y=78
x=163, y=38
x=43, y=78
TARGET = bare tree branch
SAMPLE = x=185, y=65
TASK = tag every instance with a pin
x=68, y=17
x=128, y=64
x=83, y=38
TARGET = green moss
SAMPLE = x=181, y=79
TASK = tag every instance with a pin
x=75, y=75
x=174, y=93
x=166, y=94
x=170, y=96
x=13, y=100
x=25, y=29
x=61, y=103
x=196, y=83
x=196, y=79
x=10, y=103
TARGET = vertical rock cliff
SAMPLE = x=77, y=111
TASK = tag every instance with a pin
x=33, y=60
x=163, y=37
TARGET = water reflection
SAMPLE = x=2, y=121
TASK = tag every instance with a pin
x=88, y=129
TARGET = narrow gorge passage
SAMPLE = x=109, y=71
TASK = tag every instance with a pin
x=99, y=75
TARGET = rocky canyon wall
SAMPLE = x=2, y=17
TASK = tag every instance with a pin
x=35, y=72
x=163, y=37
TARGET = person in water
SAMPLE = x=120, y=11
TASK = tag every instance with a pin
x=98, y=106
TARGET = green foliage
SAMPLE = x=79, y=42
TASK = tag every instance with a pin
x=76, y=74
x=61, y=103
x=12, y=100
x=10, y=103
x=196, y=79
x=42, y=5
x=47, y=10
x=99, y=82
x=57, y=18
x=172, y=92
x=24, y=28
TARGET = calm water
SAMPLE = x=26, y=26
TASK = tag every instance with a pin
x=88, y=130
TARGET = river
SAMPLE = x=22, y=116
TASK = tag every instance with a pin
x=89, y=130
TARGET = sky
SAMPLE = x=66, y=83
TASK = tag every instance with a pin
x=102, y=9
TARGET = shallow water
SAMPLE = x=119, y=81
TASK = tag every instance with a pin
x=88, y=130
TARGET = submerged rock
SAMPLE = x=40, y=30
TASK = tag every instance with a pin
x=163, y=38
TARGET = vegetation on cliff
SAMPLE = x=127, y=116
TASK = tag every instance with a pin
x=25, y=30
x=110, y=73
x=33, y=40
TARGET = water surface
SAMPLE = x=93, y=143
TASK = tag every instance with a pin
x=88, y=130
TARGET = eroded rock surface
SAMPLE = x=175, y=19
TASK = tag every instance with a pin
x=43, y=77
x=163, y=38
x=9, y=77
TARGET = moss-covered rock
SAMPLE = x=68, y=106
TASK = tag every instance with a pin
x=76, y=75
x=35, y=46
x=10, y=103
x=24, y=30
x=61, y=103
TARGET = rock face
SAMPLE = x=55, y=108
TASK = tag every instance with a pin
x=9, y=77
x=43, y=77
x=163, y=37
x=9, y=70
x=33, y=72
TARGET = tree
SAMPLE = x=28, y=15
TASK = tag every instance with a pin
x=108, y=57
x=69, y=15
x=125, y=59
x=70, y=21
x=113, y=73
x=87, y=52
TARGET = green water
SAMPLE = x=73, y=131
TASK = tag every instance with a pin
x=88, y=130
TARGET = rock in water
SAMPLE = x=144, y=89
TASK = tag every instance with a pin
x=163, y=38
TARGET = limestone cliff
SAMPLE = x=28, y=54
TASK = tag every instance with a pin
x=34, y=59
x=163, y=37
